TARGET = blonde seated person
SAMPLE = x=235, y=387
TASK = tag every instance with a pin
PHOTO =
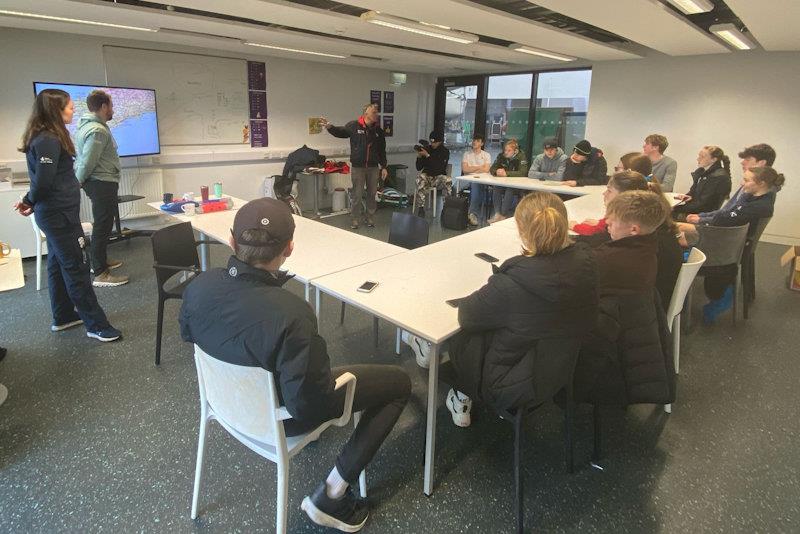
x=548, y=291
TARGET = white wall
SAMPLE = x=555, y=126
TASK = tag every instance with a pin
x=729, y=100
x=296, y=90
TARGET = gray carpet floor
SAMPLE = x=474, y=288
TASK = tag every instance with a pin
x=94, y=437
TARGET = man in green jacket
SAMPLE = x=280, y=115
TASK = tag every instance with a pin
x=512, y=162
x=97, y=168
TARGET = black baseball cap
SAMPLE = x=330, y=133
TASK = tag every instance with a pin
x=436, y=135
x=551, y=142
x=264, y=214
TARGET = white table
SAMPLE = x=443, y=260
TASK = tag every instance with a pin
x=11, y=276
x=320, y=249
x=529, y=184
x=412, y=291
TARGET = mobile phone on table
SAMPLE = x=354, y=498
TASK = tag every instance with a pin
x=486, y=257
x=453, y=302
x=368, y=286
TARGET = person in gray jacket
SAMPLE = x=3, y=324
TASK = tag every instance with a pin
x=665, y=169
x=550, y=164
x=97, y=168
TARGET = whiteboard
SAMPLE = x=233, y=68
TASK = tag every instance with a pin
x=201, y=100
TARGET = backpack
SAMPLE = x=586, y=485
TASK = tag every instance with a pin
x=454, y=213
x=391, y=197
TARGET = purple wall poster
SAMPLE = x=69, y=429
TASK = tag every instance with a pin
x=256, y=76
x=258, y=104
x=258, y=134
x=388, y=101
x=388, y=125
x=375, y=98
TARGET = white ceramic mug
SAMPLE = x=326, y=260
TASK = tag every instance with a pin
x=189, y=208
x=5, y=249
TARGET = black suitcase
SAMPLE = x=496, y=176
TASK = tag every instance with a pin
x=454, y=213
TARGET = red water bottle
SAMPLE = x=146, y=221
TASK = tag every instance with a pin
x=204, y=193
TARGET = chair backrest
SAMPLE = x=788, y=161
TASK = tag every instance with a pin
x=242, y=398
x=754, y=236
x=722, y=245
x=408, y=231
x=174, y=245
x=36, y=230
x=685, y=278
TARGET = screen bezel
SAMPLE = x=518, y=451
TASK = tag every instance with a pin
x=155, y=99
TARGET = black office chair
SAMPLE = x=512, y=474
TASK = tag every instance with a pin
x=174, y=251
x=748, y=263
x=407, y=231
x=550, y=380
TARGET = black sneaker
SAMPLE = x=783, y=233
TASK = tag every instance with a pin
x=347, y=514
x=370, y=223
x=421, y=212
x=105, y=335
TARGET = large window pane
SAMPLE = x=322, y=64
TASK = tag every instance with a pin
x=562, y=99
x=508, y=105
x=459, y=122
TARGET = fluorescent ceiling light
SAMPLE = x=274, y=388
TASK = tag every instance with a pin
x=731, y=35
x=539, y=52
x=78, y=21
x=298, y=51
x=428, y=30
x=693, y=7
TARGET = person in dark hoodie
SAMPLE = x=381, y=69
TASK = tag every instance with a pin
x=711, y=184
x=432, y=163
x=367, y=160
x=586, y=166
x=547, y=292
x=550, y=164
x=754, y=201
x=242, y=315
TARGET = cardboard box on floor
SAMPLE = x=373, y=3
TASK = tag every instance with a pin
x=792, y=257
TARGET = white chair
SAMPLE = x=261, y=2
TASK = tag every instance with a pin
x=244, y=401
x=40, y=238
x=684, y=282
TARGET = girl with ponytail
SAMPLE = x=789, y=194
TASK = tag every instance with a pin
x=547, y=292
x=711, y=184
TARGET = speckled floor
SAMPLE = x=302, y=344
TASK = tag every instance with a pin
x=95, y=438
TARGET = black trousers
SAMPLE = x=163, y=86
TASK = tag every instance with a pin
x=717, y=280
x=104, y=208
x=382, y=392
x=71, y=292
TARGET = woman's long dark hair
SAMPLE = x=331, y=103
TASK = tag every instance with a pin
x=46, y=117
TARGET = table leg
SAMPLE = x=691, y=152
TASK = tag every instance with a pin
x=308, y=292
x=316, y=194
x=318, y=304
x=204, y=252
x=430, y=432
x=397, y=342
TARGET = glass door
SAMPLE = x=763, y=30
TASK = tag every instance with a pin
x=459, y=110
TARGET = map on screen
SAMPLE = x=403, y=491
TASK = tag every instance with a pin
x=135, y=124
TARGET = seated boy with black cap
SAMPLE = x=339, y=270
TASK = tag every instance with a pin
x=432, y=166
x=243, y=316
x=586, y=166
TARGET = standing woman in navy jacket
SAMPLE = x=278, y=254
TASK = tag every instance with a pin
x=54, y=199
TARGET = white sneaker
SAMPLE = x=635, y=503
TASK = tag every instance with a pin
x=3, y=393
x=60, y=327
x=460, y=407
x=421, y=348
x=472, y=219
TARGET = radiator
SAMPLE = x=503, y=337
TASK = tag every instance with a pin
x=148, y=183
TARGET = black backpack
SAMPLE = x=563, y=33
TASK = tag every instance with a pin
x=454, y=213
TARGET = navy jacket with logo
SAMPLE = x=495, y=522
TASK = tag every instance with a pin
x=742, y=208
x=55, y=193
x=242, y=315
x=709, y=189
x=367, y=143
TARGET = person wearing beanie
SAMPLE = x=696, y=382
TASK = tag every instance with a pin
x=432, y=166
x=586, y=166
x=550, y=164
x=242, y=315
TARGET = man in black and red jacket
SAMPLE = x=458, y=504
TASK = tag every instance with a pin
x=367, y=159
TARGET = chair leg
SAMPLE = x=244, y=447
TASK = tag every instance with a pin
x=397, y=342
x=434, y=203
x=735, y=296
x=375, y=330
x=751, y=277
x=518, y=486
x=744, y=279
x=159, y=328
x=362, y=477
x=198, y=470
x=341, y=315
x=569, y=416
x=676, y=342
x=596, y=447
x=283, y=497
x=38, y=263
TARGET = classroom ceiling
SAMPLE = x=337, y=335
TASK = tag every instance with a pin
x=588, y=31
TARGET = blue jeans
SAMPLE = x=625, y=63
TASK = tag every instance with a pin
x=477, y=193
x=504, y=201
